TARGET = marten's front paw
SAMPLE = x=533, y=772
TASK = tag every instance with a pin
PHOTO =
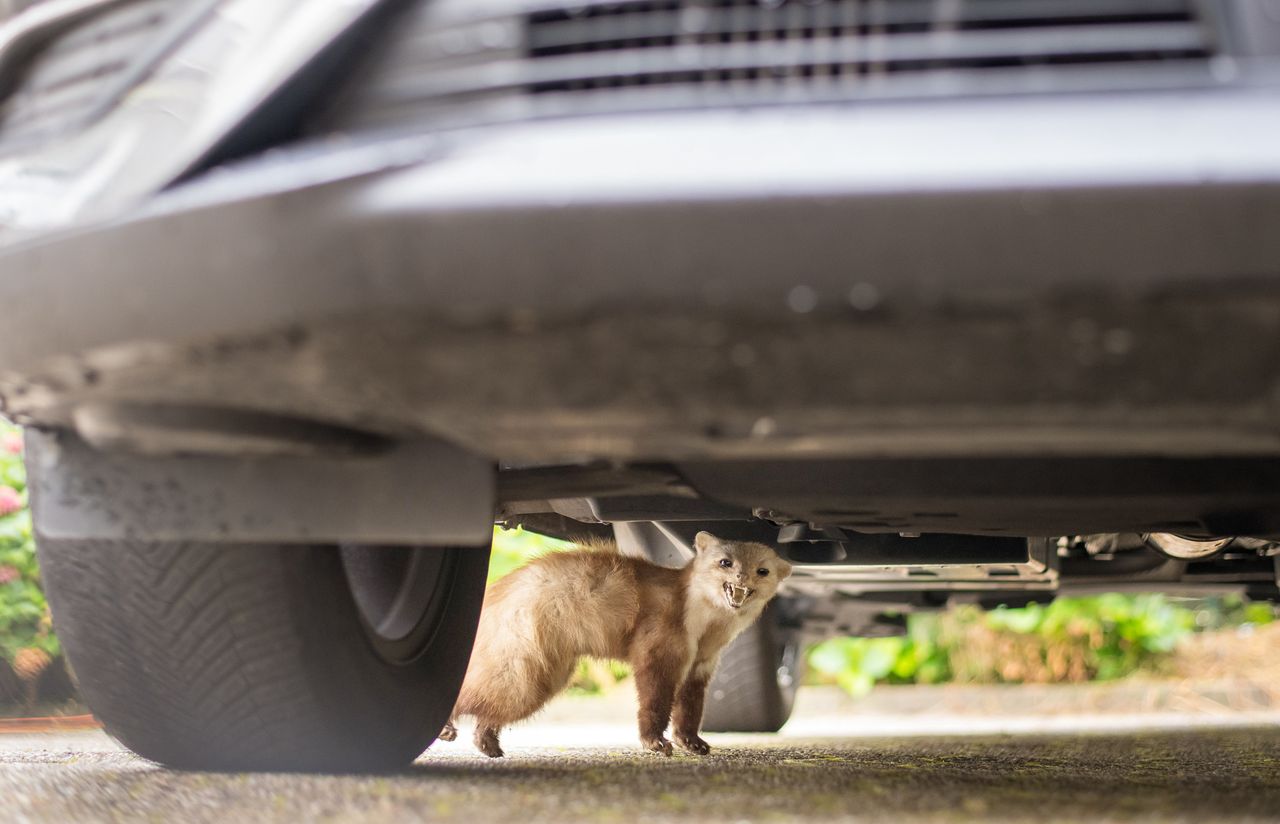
x=487, y=742
x=658, y=745
x=449, y=733
x=693, y=744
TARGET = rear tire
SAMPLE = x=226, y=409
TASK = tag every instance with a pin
x=258, y=657
x=754, y=688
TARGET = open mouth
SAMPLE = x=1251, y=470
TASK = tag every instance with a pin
x=736, y=595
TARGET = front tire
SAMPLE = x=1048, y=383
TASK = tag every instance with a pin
x=265, y=657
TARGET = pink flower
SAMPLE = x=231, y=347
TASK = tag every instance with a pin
x=11, y=442
x=10, y=500
x=8, y=574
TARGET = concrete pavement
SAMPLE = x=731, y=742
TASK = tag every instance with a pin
x=579, y=764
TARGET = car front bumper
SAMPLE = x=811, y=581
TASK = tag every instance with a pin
x=1072, y=275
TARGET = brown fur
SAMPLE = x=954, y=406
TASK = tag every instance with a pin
x=670, y=624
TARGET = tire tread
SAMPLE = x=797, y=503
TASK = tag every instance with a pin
x=209, y=657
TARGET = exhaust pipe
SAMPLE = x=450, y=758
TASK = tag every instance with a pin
x=1182, y=548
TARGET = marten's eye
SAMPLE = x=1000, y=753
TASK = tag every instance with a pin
x=726, y=563
x=762, y=572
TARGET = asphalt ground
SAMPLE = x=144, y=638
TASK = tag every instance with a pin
x=1145, y=767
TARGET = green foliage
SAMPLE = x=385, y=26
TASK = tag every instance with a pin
x=1128, y=631
x=856, y=664
x=593, y=677
x=512, y=548
x=24, y=615
x=1102, y=638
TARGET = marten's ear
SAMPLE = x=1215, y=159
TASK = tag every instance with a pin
x=703, y=541
x=784, y=570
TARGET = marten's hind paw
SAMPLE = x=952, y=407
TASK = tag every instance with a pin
x=659, y=745
x=449, y=733
x=693, y=744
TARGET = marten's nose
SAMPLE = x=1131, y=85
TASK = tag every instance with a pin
x=742, y=577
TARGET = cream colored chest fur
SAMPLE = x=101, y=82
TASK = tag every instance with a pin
x=709, y=627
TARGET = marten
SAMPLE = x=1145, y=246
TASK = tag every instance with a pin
x=670, y=624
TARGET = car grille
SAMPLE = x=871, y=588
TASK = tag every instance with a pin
x=82, y=72
x=456, y=68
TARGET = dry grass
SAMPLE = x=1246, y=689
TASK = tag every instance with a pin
x=981, y=654
x=1250, y=654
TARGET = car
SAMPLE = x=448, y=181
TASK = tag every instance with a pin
x=947, y=301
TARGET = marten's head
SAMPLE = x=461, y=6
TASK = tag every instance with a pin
x=736, y=575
